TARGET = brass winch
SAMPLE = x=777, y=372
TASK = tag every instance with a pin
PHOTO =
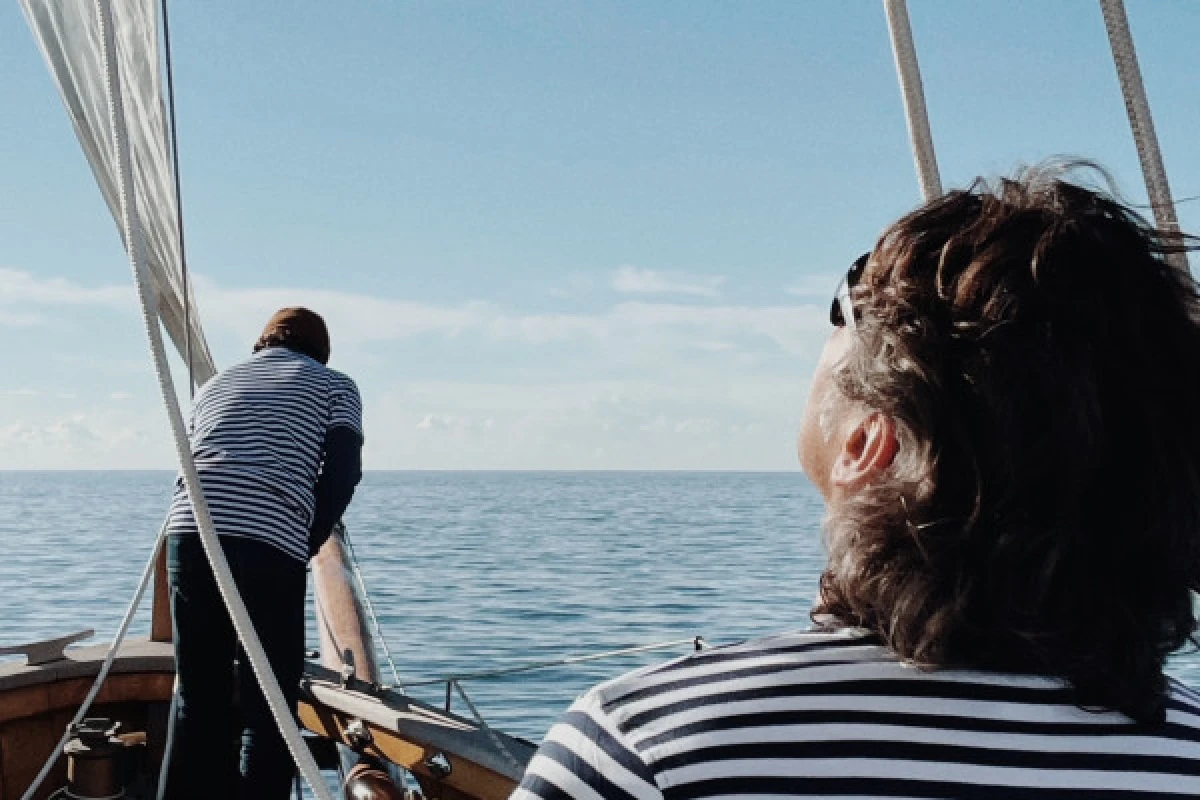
x=95, y=761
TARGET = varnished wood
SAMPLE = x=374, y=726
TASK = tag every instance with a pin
x=160, y=614
x=419, y=723
x=25, y=746
x=38, y=699
x=26, y=742
x=37, y=702
x=341, y=618
x=466, y=779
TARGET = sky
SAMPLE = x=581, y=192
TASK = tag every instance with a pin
x=545, y=235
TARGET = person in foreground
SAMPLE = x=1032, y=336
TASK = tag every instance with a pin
x=1005, y=426
x=277, y=441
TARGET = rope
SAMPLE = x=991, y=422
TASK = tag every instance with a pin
x=169, y=745
x=102, y=675
x=1137, y=107
x=454, y=682
x=696, y=642
x=187, y=299
x=66, y=794
x=913, y=90
x=208, y=535
x=387, y=653
x=483, y=726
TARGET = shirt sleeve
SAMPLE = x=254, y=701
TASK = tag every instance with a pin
x=586, y=757
x=345, y=409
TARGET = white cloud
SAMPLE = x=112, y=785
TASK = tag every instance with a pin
x=21, y=319
x=814, y=287
x=22, y=294
x=85, y=441
x=639, y=384
x=574, y=286
x=354, y=318
x=634, y=280
x=20, y=288
x=358, y=319
x=696, y=420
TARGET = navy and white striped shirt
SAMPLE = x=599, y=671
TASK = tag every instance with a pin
x=837, y=715
x=257, y=433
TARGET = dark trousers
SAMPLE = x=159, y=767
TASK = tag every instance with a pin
x=203, y=762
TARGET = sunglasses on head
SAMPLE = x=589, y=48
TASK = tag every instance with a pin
x=841, y=311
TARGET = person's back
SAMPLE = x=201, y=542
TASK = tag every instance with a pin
x=836, y=714
x=258, y=430
x=1005, y=427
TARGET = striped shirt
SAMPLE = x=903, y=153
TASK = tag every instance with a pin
x=837, y=715
x=257, y=433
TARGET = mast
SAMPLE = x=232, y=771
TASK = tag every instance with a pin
x=161, y=626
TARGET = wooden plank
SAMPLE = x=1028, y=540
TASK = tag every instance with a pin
x=30, y=701
x=25, y=745
x=137, y=655
x=420, y=723
x=161, y=629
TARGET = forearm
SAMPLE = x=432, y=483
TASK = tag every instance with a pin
x=341, y=471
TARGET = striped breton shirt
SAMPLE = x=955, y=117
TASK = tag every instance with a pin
x=837, y=715
x=257, y=432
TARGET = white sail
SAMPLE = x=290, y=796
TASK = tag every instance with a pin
x=69, y=34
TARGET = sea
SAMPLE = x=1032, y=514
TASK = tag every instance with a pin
x=474, y=572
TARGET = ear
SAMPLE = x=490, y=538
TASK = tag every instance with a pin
x=867, y=452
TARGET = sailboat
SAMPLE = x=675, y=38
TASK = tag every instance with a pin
x=93, y=721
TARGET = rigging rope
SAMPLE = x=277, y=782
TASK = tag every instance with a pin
x=208, y=535
x=487, y=729
x=913, y=90
x=387, y=653
x=102, y=675
x=1137, y=107
x=696, y=641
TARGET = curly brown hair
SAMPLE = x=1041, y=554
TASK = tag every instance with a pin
x=1041, y=360
x=297, y=329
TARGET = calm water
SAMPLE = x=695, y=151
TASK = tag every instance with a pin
x=472, y=571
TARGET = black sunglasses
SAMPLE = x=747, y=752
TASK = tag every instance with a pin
x=841, y=311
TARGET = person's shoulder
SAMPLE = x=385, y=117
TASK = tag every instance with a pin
x=342, y=379
x=799, y=650
x=342, y=384
x=231, y=376
x=338, y=382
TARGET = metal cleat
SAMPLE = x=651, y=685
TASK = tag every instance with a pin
x=47, y=651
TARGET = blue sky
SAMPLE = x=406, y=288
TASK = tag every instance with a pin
x=545, y=234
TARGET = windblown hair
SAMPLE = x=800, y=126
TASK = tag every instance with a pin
x=296, y=329
x=1042, y=362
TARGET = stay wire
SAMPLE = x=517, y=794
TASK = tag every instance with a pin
x=187, y=298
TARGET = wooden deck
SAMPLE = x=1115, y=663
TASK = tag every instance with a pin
x=453, y=757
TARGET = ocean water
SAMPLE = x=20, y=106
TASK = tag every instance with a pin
x=473, y=571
